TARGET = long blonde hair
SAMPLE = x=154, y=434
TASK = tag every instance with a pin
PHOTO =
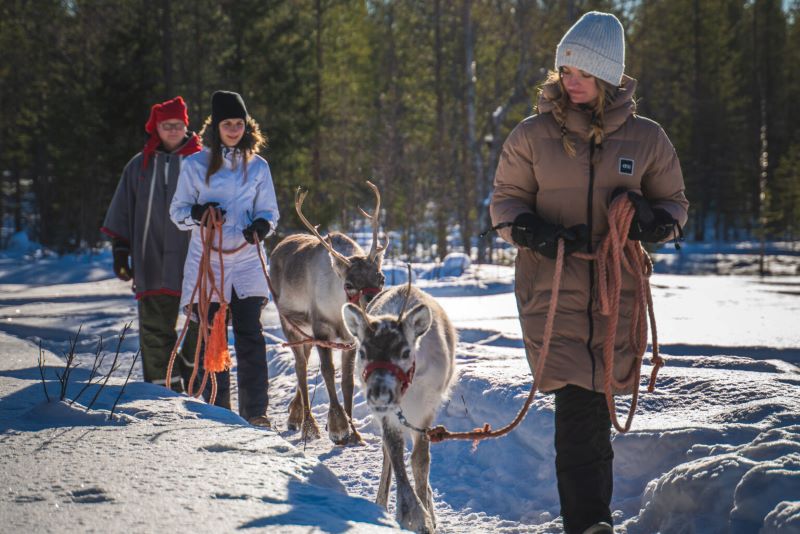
x=605, y=95
x=250, y=143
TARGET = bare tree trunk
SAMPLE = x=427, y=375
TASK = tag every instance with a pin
x=473, y=145
x=199, y=102
x=698, y=143
x=17, y=198
x=763, y=154
x=316, y=151
x=166, y=39
x=442, y=179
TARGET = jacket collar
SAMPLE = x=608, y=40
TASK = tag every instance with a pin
x=578, y=119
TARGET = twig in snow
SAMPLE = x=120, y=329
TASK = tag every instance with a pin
x=114, y=365
x=122, y=389
x=41, y=370
x=99, y=357
x=70, y=358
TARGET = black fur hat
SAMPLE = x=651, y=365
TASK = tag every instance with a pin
x=227, y=105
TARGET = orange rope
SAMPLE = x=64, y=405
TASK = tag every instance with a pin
x=615, y=252
x=308, y=339
x=217, y=358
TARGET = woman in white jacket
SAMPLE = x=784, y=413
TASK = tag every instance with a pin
x=228, y=176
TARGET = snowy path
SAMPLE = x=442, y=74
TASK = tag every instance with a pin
x=725, y=412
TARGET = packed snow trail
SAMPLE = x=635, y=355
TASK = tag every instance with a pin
x=721, y=427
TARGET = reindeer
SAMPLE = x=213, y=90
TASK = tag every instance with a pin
x=406, y=364
x=313, y=276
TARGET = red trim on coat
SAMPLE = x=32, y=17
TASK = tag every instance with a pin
x=162, y=291
x=114, y=235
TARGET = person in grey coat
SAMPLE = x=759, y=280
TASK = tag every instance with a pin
x=147, y=247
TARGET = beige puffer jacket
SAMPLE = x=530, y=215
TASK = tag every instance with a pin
x=536, y=174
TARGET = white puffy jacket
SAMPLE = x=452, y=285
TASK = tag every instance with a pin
x=243, y=202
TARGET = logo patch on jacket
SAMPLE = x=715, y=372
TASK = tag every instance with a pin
x=626, y=166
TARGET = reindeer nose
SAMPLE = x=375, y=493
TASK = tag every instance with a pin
x=378, y=395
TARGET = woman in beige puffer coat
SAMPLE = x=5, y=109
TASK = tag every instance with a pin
x=555, y=179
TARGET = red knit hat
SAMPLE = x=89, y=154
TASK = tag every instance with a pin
x=171, y=109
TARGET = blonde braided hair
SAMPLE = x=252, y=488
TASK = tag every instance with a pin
x=561, y=102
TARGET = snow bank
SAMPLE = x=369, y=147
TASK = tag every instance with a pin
x=164, y=463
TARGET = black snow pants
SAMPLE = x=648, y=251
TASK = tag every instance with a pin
x=584, y=458
x=251, y=358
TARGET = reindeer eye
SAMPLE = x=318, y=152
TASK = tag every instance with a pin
x=348, y=286
x=362, y=354
x=406, y=354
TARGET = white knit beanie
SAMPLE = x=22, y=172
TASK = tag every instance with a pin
x=596, y=45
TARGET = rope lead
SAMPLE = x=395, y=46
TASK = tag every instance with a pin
x=615, y=252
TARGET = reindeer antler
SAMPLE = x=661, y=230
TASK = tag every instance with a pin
x=408, y=293
x=299, y=197
x=375, y=220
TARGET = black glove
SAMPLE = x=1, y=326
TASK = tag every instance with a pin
x=531, y=231
x=198, y=210
x=122, y=268
x=650, y=225
x=260, y=227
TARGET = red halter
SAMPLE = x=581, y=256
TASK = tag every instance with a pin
x=404, y=378
x=365, y=291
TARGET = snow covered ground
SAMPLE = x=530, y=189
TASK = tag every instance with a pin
x=715, y=449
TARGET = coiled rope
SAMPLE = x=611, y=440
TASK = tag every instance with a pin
x=215, y=338
x=616, y=252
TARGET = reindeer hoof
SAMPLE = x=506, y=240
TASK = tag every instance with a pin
x=354, y=439
x=310, y=430
x=414, y=517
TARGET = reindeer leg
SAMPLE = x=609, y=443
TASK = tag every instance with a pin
x=386, y=480
x=296, y=406
x=338, y=425
x=300, y=408
x=421, y=467
x=410, y=512
x=348, y=365
x=310, y=429
x=300, y=366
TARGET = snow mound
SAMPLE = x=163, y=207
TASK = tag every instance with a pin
x=737, y=489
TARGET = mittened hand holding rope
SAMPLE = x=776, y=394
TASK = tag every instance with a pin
x=260, y=227
x=122, y=268
x=198, y=210
x=649, y=225
x=531, y=231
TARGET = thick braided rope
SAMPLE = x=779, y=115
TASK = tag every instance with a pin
x=615, y=252
x=204, y=289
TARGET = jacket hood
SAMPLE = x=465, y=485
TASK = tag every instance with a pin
x=190, y=145
x=578, y=119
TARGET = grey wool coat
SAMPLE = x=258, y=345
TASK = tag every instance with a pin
x=139, y=215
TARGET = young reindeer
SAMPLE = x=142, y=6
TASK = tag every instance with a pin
x=406, y=364
x=313, y=276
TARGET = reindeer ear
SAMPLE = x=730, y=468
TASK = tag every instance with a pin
x=339, y=267
x=354, y=320
x=417, y=321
